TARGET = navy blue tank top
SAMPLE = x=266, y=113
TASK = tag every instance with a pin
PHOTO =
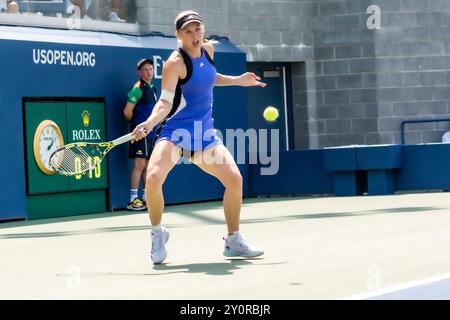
x=190, y=123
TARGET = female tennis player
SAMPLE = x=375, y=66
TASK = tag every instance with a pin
x=188, y=78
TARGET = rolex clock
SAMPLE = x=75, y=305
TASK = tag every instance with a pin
x=47, y=138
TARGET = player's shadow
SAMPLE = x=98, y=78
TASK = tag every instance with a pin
x=219, y=268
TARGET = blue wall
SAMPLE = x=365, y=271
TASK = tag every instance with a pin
x=299, y=172
x=424, y=167
x=414, y=167
x=110, y=78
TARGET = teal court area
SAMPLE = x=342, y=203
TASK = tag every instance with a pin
x=366, y=247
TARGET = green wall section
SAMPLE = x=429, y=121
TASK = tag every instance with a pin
x=66, y=204
x=93, y=132
x=55, y=195
x=37, y=181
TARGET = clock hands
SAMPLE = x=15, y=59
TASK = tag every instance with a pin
x=51, y=144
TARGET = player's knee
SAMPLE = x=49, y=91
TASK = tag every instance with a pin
x=234, y=180
x=154, y=178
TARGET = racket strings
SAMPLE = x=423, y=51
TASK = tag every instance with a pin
x=82, y=152
x=60, y=161
x=78, y=158
x=70, y=161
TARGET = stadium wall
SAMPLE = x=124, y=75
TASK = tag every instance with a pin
x=102, y=66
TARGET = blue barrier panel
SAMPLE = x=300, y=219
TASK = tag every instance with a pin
x=346, y=183
x=360, y=169
x=299, y=172
x=340, y=159
x=380, y=182
x=186, y=183
x=341, y=162
x=424, y=167
x=379, y=161
x=379, y=157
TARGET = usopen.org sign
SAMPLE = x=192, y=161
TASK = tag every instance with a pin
x=64, y=57
x=81, y=59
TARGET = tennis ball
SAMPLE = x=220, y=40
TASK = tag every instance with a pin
x=270, y=113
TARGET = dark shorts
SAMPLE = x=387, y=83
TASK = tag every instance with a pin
x=141, y=149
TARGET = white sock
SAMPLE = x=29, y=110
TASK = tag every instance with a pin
x=133, y=194
x=233, y=235
x=158, y=227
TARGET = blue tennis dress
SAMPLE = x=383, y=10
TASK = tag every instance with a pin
x=190, y=124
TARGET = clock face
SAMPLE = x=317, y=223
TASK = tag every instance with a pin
x=47, y=139
x=48, y=142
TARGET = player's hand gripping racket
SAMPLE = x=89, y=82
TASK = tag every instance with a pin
x=80, y=157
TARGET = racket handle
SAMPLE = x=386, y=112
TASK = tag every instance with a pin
x=126, y=138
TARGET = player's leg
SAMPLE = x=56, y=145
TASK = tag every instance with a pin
x=164, y=157
x=144, y=179
x=225, y=169
x=149, y=149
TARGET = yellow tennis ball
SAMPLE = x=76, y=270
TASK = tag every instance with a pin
x=270, y=113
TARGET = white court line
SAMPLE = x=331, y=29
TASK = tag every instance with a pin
x=398, y=287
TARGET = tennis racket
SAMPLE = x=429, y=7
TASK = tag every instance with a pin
x=80, y=157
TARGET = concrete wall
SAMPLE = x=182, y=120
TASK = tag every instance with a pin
x=344, y=77
x=351, y=85
x=412, y=52
x=265, y=30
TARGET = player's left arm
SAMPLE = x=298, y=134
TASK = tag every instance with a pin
x=248, y=79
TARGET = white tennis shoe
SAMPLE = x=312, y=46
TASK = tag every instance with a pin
x=236, y=246
x=160, y=236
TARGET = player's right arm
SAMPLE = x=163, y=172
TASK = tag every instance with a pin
x=172, y=71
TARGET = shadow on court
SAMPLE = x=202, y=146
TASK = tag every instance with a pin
x=215, y=268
